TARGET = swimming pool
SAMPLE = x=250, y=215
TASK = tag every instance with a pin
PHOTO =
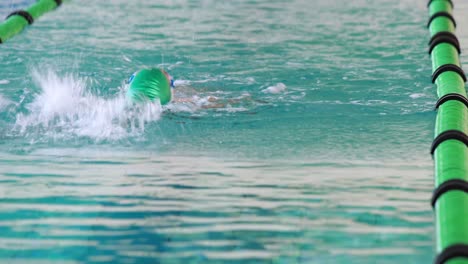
x=319, y=154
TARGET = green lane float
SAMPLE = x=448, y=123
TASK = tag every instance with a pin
x=16, y=21
x=449, y=148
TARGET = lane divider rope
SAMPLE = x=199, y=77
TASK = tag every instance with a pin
x=17, y=20
x=449, y=148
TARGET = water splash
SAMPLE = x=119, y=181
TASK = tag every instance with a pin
x=4, y=102
x=275, y=89
x=65, y=108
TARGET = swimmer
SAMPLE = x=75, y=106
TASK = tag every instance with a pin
x=150, y=85
x=157, y=84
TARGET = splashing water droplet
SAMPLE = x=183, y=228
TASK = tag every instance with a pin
x=65, y=107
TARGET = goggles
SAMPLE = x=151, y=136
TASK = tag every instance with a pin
x=131, y=78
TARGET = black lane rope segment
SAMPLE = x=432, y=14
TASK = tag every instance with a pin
x=442, y=14
x=442, y=33
x=449, y=1
x=450, y=185
x=444, y=37
x=447, y=135
x=448, y=67
x=26, y=15
x=452, y=97
x=22, y=13
x=454, y=251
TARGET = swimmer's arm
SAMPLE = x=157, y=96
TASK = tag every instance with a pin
x=183, y=100
x=175, y=99
x=213, y=102
x=210, y=99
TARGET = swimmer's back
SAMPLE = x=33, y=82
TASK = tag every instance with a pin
x=149, y=84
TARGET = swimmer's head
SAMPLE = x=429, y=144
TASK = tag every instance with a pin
x=150, y=84
x=169, y=78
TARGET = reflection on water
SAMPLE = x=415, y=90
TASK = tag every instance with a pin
x=93, y=206
x=324, y=159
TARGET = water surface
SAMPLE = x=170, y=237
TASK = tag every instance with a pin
x=318, y=154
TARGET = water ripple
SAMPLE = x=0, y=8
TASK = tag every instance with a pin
x=237, y=211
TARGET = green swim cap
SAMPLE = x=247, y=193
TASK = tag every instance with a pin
x=149, y=84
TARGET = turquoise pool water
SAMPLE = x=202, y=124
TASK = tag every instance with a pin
x=317, y=152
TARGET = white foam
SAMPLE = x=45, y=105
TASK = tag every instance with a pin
x=181, y=82
x=189, y=104
x=127, y=59
x=416, y=95
x=250, y=80
x=65, y=107
x=275, y=89
x=4, y=81
x=4, y=102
